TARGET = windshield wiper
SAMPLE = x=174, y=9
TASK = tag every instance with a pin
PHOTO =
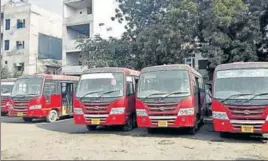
x=32, y=94
x=256, y=95
x=89, y=94
x=172, y=93
x=159, y=93
x=235, y=95
x=108, y=92
x=19, y=95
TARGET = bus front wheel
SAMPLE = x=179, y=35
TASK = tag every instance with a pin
x=91, y=127
x=130, y=124
x=27, y=119
x=52, y=116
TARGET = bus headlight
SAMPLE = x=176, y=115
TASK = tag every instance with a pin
x=141, y=112
x=78, y=111
x=115, y=111
x=267, y=118
x=220, y=115
x=186, y=111
x=35, y=107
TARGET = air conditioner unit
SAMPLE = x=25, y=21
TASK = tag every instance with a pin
x=18, y=64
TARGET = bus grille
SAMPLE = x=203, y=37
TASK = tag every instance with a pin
x=247, y=111
x=20, y=106
x=171, y=107
x=96, y=108
x=3, y=102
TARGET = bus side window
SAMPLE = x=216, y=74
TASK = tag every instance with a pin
x=50, y=87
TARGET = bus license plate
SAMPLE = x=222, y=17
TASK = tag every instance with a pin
x=162, y=123
x=247, y=129
x=95, y=121
x=19, y=114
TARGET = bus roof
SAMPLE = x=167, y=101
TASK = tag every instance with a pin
x=242, y=65
x=170, y=67
x=51, y=76
x=112, y=69
x=9, y=80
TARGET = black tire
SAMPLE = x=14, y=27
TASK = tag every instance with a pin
x=135, y=124
x=151, y=130
x=192, y=130
x=201, y=122
x=53, y=116
x=91, y=127
x=129, y=125
x=224, y=134
x=27, y=119
x=4, y=113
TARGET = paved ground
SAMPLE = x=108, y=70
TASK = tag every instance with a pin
x=64, y=140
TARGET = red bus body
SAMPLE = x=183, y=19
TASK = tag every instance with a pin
x=172, y=112
x=6, y=87
x=239, y=114
x=96, y=110
x=39, y=105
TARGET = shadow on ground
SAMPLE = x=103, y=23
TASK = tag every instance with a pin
x=205, y=133
x=16, y=120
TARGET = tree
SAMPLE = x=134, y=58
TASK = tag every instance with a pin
x=4, y=73
x=164, y=32
x=157, y=32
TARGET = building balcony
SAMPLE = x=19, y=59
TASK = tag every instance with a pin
x=72, y=1
x=71, y=46
x=78, y=19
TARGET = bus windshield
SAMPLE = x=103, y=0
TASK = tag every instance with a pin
x=101, y=85
x=233, y=83
x=27, y=86
x=160, y=83
x=6, y=88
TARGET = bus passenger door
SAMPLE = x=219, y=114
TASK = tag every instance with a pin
x=67, y=98
x=197, y=96
x=130, y=91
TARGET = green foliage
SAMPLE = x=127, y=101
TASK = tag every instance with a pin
x=164, y=32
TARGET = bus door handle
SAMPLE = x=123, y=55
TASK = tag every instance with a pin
x=48, y=100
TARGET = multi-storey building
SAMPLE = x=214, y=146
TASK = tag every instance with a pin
x=31, y=39
x=85, y=19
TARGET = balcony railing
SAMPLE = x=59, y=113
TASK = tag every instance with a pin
x=78, y=19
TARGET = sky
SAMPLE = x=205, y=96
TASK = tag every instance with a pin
x=51, y=5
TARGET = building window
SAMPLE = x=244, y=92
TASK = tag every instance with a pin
x=6, y=62
x=21, y=24
x=6, y=44
x=7, y=24
x=20, y=45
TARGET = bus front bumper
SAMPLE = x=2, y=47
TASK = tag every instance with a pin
x=240, y=126
x=38, y=113
x=165, y=121
x=100, y=120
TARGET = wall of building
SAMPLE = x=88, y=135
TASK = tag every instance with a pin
x=37, y=20
x=103, y=11
x=47, y=23
x=14, y=56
